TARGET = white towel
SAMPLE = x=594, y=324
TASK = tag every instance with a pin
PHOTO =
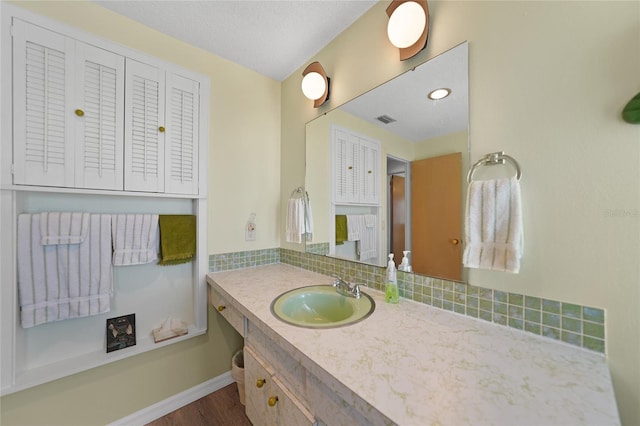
x=63, y=281
x=358, y=230
x=295, y=220
x=63, y=227
x=353, y=227
x=308, y=219
x=134, y=238
x=493, y=225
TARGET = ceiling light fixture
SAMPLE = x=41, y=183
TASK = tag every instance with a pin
x=408, y=26
x=315, y=84
x=439, y=94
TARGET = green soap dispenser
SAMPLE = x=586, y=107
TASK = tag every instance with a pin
x=391, y=294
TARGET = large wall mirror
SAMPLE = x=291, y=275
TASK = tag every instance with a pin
x=385, y=172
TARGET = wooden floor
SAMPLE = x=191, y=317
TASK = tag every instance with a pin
x=221, y=408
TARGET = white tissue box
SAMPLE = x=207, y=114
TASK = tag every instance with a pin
x=170, y=328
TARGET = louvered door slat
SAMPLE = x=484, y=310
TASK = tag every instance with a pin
x=99, y=151
x=182, y=137
x=43, y=136
x=144, y=115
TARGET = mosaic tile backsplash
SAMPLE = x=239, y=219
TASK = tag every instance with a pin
x=574, y=324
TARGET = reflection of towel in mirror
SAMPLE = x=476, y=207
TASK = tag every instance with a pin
x=61, y=281
x=359, y=231
x=493, y=225
x=341, y=229
x=308, y=219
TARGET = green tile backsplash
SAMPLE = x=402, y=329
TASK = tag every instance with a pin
x=574, y=324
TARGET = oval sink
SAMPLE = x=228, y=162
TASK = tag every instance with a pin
x=320, y=306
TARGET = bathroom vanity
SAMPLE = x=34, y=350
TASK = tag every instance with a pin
x=405, y=364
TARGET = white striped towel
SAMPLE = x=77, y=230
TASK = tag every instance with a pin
x=63, y=281
x=63, y=227
x=358, y=230
x=134, y=238
x=493, y=225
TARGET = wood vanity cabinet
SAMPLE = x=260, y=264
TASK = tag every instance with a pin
x=268, y=401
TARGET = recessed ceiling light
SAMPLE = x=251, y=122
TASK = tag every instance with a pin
x=439, y=94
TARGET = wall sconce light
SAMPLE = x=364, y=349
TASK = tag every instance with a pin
x=315, y=84
x=408, y=26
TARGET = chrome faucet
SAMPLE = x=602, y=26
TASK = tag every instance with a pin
x=345, y=289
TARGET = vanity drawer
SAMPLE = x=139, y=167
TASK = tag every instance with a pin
x=268, y=400
x=227, y=311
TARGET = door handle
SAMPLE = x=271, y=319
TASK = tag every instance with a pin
x=455, y=241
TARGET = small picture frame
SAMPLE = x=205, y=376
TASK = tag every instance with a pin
x=121, y=332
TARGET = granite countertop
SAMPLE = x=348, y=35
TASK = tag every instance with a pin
x=420, y=365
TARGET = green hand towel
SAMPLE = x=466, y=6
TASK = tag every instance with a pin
x=177, y=239
x=341, y=229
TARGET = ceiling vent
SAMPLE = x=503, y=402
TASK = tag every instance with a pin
x=385, y=119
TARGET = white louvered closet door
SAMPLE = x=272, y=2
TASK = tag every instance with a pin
x=43, y=127
x=370, y=172
x=144, y=142
x=346, y=165
x=181, y=139
x=99, y=128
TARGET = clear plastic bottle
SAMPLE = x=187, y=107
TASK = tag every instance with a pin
x=391, y=294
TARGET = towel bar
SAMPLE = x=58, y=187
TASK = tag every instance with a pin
x=493, y=159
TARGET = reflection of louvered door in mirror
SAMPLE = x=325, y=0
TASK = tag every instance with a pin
x=355, y=168
x=436, y=216
x=144, y=128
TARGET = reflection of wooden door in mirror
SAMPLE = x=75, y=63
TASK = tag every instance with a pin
x=436, y=216
x=397, y=217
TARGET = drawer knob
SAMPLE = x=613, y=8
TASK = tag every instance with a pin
x=260, y=383
x=221, y=308
x=161, y=129
x=79, y=112
x=455, y=241
x=272, y=401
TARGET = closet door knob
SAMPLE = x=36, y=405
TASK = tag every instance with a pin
x=79, y=113
x=272, y=401
x=221, y=308
x=161, y=129
x=260, y=383
x=455, y=241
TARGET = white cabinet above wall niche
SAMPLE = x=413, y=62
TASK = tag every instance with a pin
x=355, y=168
x=81, y=121
x=68, y=111
x=94, y=127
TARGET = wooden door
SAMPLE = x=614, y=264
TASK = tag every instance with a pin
x=436, y=216
x=398, y=202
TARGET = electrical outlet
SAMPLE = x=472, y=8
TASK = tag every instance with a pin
x=250, y=228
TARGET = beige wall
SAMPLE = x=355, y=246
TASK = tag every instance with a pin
x=244, y=175
x=548, y=81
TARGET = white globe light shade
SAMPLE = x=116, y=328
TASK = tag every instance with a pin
x=406, y=24
x=313, y=85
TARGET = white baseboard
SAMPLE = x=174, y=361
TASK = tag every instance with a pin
x=170, y=404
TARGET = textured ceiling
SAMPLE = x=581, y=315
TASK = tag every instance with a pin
x=273, y=38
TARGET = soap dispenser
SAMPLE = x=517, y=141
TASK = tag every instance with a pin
x=404, y=265
x=391, y=294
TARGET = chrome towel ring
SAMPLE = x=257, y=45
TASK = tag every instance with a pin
x=493, y=159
